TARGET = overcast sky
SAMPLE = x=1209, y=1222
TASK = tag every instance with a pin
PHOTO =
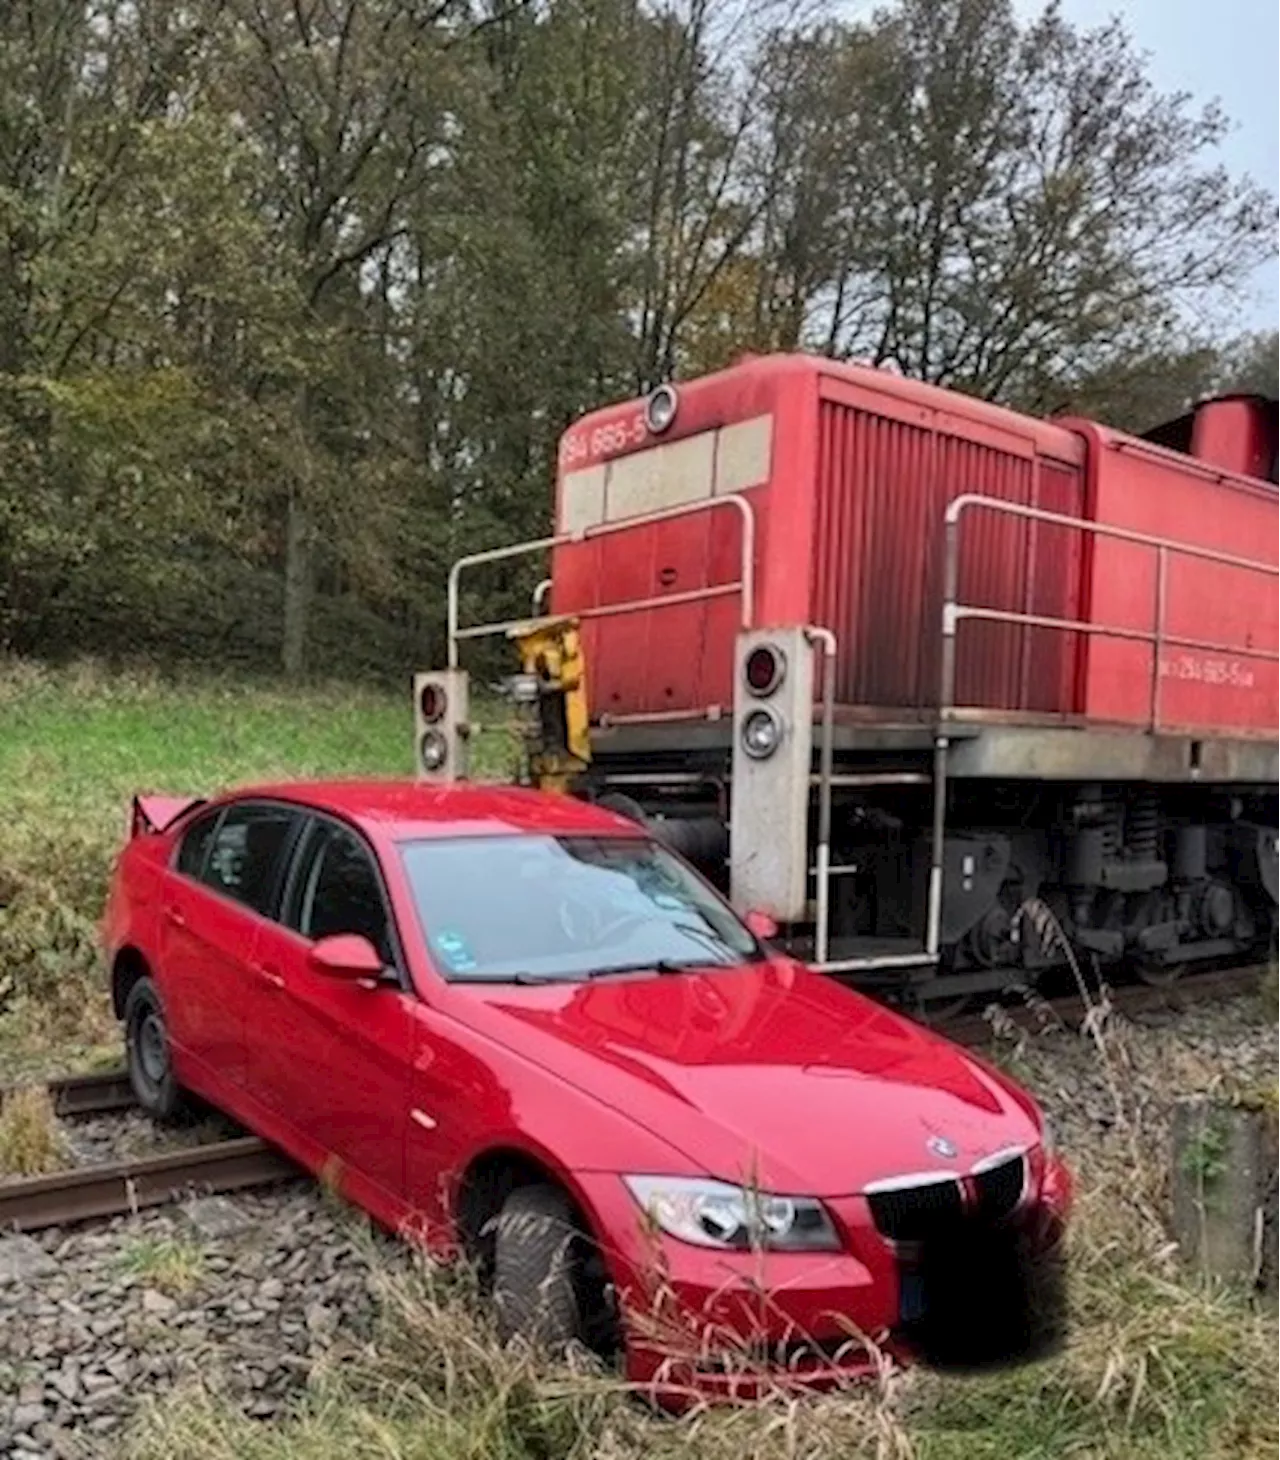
x=1225, y=49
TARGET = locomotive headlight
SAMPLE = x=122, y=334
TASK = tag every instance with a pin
x=433, y=702
x=433, y=750
x=765, y=669
x=761, y=733
x=660, y=409
x=715, y=1214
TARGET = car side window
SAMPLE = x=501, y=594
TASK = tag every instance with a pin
x=195, y=844
x=247, y=852
x=337, y=890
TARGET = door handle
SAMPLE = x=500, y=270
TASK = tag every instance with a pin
x=268, y=975
x=173, y=915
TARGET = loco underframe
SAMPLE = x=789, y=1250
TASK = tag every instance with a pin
x=1059, y=842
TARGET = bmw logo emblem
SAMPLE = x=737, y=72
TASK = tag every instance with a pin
x=941, y=1146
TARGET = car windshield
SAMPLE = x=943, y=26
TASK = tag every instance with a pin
x=512, y=908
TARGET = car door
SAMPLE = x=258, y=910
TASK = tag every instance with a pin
x=224, y=881
x=329, y=1056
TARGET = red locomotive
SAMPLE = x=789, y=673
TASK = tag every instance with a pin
x=901, y=668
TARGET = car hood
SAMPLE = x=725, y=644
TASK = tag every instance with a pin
x=768, y=1073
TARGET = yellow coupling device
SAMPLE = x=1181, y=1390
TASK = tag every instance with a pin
x=552, y=689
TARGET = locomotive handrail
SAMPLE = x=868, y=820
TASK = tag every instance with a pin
x=744, y=584
x=953, y=612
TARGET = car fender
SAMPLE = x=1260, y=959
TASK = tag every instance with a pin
x=564, y=1128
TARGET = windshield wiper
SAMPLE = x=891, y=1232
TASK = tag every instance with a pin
x=654, y=965
x=520, y=977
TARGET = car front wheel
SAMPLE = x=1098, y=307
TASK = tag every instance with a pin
x=147, y=1049
x=537, y=1254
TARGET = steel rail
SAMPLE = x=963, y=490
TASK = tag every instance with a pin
x=96, y=1094
x=973, y=1030
x=92, y=1094
x=122, y=1187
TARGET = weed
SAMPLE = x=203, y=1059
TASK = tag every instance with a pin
x=1204, y=1156
x=170, y=1264
x=31, y=1141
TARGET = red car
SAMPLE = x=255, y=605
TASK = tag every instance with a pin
x=512, y=1025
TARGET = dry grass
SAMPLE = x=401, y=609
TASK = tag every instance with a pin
x=31, y=1140
x=1269, y=993
x=437, y=1385
x=1155, y=1368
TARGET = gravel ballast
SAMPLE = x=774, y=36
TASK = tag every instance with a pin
x=242, y=1294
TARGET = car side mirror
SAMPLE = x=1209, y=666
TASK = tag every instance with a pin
x=761, y=925
x=345, y=955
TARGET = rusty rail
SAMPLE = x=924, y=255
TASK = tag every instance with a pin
x=1044, y=1014
x=121, y=1187
x=97, y=1094
x=91, y=1094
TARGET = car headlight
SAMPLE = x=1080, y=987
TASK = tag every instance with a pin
x=715, y=1214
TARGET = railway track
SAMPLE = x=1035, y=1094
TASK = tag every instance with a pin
x=1137, y=998
x=115, y=1189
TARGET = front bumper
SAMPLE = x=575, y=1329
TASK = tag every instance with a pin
x=704, y=1323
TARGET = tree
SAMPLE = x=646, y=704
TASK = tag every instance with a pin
x=1252, y=364
x=991, y=206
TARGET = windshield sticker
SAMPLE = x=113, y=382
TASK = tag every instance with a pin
x=452, y=948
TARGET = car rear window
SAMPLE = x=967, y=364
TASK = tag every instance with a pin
x=195, y=843
x=246, y=854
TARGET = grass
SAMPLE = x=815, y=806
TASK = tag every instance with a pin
x=31, y=1141
x=75, y=745
x=171, y=1265
x=1155, y=1368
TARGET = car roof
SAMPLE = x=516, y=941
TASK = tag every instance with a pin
x=412, y=810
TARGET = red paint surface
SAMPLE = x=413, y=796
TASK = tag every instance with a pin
x=1135, y=485
x=765, y=1072
x=849, y=536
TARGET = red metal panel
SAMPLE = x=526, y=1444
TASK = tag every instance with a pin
x=850, y=535
x=883, y=486
x=1236, y=432
x=1135, y=485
